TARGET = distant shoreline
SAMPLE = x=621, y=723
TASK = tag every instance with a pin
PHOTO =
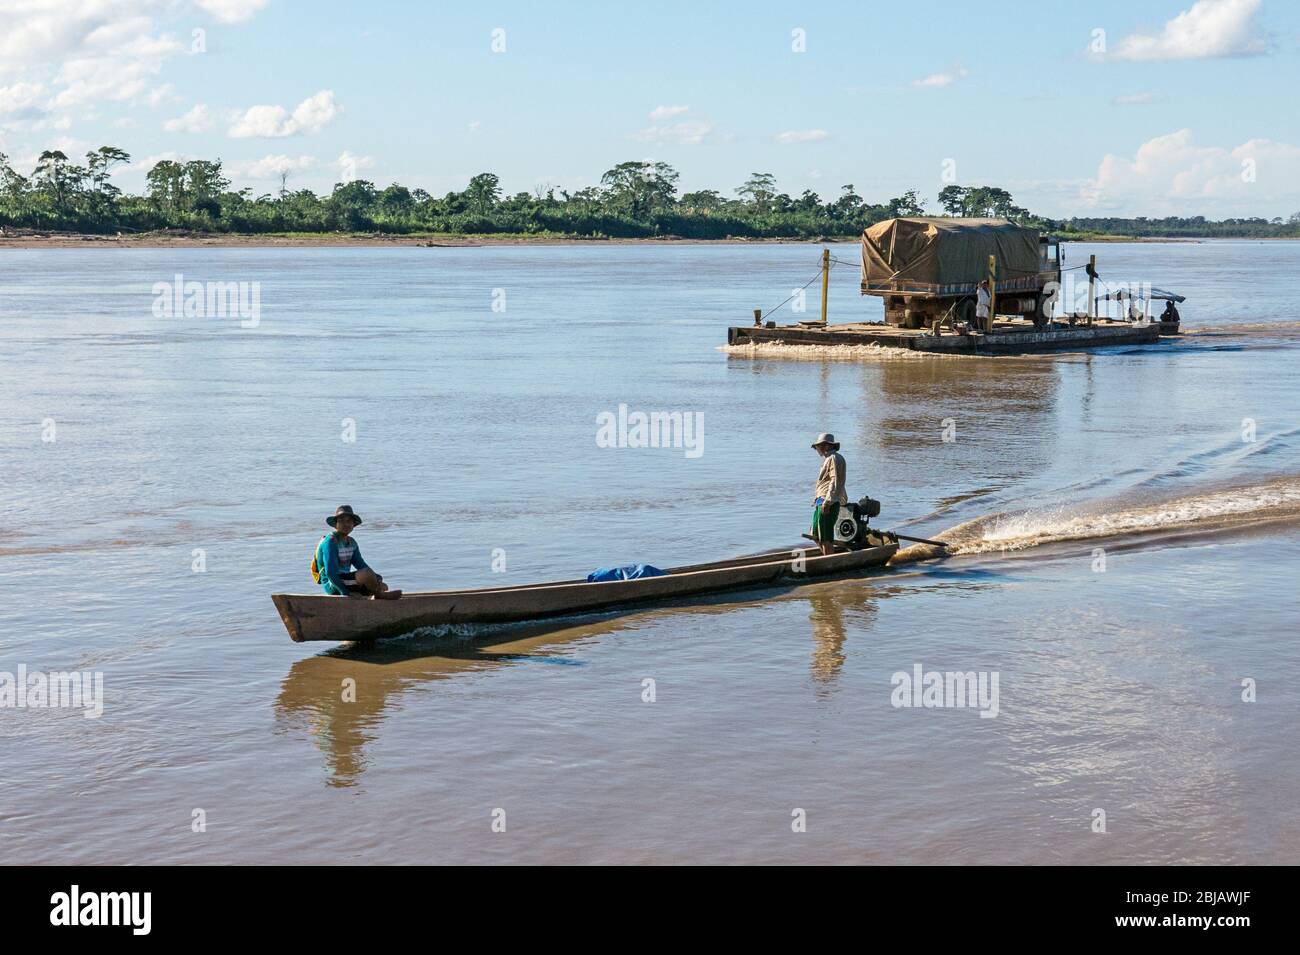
x=326, y=240
x=29, y=239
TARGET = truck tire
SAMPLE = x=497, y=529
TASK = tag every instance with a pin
x=966, y=311
x=1039, y=315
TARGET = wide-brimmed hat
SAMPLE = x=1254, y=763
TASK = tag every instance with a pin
x=826, y=438
x=343, y=510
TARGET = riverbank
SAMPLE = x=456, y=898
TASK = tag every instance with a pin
x=30, y=239
x=1106, y=237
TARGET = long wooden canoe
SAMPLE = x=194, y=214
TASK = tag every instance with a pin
x=322, y=617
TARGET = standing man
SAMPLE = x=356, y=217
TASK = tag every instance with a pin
x=830, y=493
x=982, y=300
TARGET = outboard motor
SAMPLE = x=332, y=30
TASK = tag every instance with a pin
x=852, y=526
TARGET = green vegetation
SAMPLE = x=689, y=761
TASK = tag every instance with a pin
x=633, y=200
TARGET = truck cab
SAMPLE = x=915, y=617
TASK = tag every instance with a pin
x=1049, y=255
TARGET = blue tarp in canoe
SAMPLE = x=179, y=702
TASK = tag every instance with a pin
x=626, y=572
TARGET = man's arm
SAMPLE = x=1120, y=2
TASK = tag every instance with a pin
x=358, y=563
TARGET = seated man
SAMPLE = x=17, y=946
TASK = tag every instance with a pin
x=1170, y=314
x=338, y=564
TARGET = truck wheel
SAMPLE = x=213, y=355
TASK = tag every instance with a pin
x=966, y=312
x=1040, y=316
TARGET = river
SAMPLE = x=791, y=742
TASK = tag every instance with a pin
x=1125, y=524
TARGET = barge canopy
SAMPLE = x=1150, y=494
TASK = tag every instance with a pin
x=927, y=253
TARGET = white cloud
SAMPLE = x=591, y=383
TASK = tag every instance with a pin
x=85, y=52
x=475, y=125
x=270, y=167
x=688, y=132
x=1209, y=28
x=21, y=99
x=268, y=121
x=197, y=120
x=138, y=167
x=231, y=11
x=117, y=62
x=1133, y=99
x=935, y=80
x=802, y=136
x=160, y=94
x=347, y=158
x=315, y=113
x=661, y=113
x=349, y=164
x=1172, y=175
x=45, y=31
x=275, y=122
x=684, y=132
x=53, y=122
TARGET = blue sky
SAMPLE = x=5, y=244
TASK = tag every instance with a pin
x=1187, y=108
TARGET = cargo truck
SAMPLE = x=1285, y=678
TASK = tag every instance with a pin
x=927, y=269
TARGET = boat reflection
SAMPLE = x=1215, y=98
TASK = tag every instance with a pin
x=827, y=613
x=339, y=697
x=987, y=398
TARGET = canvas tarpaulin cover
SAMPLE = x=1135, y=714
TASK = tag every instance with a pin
x=937, y=251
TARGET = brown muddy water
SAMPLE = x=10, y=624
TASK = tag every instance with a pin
x=1126, y=559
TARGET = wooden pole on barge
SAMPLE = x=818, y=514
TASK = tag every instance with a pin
x=1092, y=283
x=826, y=279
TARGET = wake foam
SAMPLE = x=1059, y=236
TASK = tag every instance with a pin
x=868, y=352
x=1213, y=510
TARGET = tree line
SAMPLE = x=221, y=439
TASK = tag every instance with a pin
x=636, y=199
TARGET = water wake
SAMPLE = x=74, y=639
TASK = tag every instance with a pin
x=1214, y=510
x=871, y=352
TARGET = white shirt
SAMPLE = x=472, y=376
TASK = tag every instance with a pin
x=982, y=299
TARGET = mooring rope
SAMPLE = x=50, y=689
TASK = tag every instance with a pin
x=795, y=293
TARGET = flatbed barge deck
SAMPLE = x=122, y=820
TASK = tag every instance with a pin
x=1010, y=336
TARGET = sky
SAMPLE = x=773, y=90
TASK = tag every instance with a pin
x=1114, y=107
